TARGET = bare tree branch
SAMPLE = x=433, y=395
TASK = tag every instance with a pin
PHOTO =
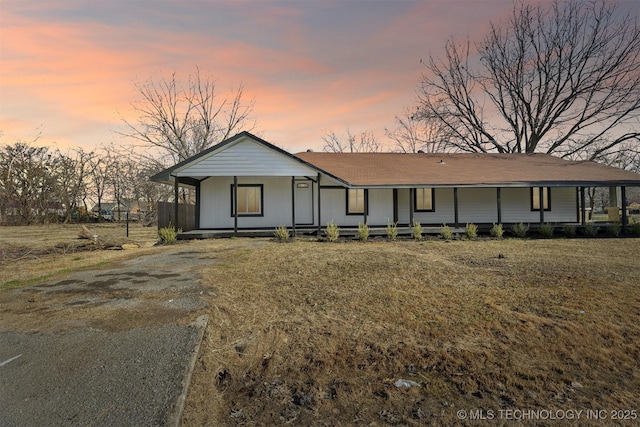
x=556, y=79
x=184, y=119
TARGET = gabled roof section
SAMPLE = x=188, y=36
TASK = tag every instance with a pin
x=466, y=169
x=241, y=155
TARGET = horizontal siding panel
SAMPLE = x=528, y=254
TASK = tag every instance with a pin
x=247, y=158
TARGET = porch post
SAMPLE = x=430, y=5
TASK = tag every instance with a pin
x=176, y=196
x=499, y=199
x=541, y=204
x=623, y=193
x=455, y=206
x=411, y=205
x=395, y=205
x=583, y=208
x=293, y=205
x=235, y=205
x=366, y=204
x=197, y=207
x=319, y=221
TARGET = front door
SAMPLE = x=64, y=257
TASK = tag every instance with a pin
x=304, y=202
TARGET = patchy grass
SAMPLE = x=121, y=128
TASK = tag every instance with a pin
x=32, y=254
x=317, y=334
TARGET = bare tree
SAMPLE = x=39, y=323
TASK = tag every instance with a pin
x=556, y=79
x=72, y=172
x=27, y=182
x=183, y=119
x=366, y=142
x=418, y=133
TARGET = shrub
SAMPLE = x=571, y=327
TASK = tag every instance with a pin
x=546, y=230
x=634, y=227
x=471, y=231
x=392, y=230
x=569, y=231
x=168, y=235
x=590, y=230
x=281, y=232
x=445, y=232
x=332, y=231
x=520, y=230
x=614, y=229
x=497, y=231
x=416, y=230
x=363, y=232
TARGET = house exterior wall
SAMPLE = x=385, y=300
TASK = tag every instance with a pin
x=516, y=205
x=215, y=202
x=247, y=158
x=480, y=205
x=477, y=205
x=334, y=207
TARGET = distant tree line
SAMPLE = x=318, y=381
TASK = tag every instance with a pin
x=43, y=184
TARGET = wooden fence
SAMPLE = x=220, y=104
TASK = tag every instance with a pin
x=186, y=216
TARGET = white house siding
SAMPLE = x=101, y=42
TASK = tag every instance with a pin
x=334, y=207
x=247, y=158
x=215, y=202
x=480, y=205
x=443, y=213
x=516, y=205
x=477, y=205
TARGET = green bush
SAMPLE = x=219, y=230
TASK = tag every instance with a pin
x=392, y=230
x=281, y=233
x=168, y=235
x=416, y=230
x=614, y=229
x=569, y=231
x=590, y=229
x=446, y=232
x=363, y=232
x=332, y=232
x=546, y=231
x=520, y=230
x=634, y=227
x=471, y=231
x=497, y=231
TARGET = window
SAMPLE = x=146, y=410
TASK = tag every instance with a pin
x=535, y=198
x=355, y=201
x=423, y=199
x=249, y=200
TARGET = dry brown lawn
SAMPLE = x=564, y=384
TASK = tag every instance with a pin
x=315, y=333
x=34, y=253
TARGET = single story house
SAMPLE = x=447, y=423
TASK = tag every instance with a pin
x=246, y=183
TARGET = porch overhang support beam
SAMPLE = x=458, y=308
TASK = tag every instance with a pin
x=235, y=206
x=366, y=204
x=197, y=207
x=623, y=194
x=319, y=219
x=293, y=205
x=176, y=196
x=583, y=207
x=541, y=204
x=455, y=207
x=499, y=204
x=412, y=192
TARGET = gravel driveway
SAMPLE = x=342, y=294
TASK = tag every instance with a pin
x=102, y=347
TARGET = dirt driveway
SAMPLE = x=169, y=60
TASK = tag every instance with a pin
x=102, y=347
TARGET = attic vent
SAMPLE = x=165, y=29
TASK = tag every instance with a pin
x=309, y=150
x=442, y=162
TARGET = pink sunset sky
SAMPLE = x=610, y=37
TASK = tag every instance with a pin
x=68, y=68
